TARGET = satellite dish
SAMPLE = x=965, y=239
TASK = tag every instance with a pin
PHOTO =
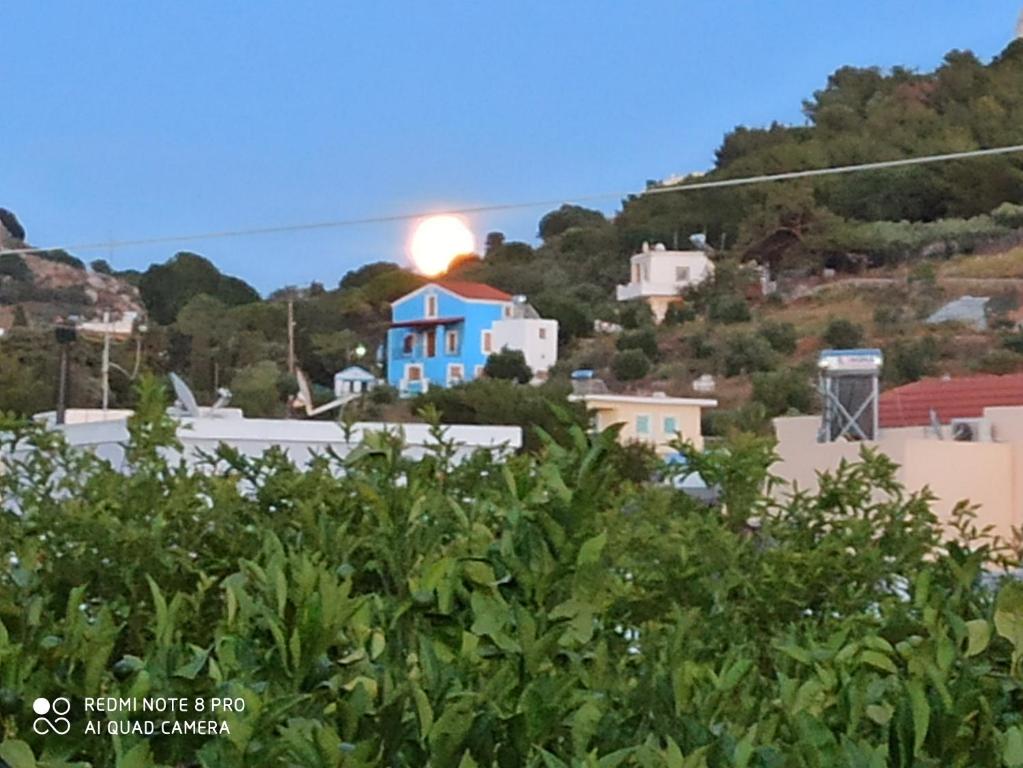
x=185, y=399
x=304, y=398
x=187, y=405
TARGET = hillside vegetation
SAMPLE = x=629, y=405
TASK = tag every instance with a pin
x=918, y=229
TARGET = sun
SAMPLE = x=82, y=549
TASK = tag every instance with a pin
x=437, y=241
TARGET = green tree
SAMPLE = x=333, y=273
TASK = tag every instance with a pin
x=630, y=364
x=841, y=333
x=508, y=364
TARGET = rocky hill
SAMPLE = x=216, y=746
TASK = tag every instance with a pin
x=36, y=288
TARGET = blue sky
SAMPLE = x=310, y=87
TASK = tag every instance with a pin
x=126, y=120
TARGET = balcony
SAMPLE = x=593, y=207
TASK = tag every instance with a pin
x=645, y=288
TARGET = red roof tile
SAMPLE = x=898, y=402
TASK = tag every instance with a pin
x=468, y=290
x=966, y=398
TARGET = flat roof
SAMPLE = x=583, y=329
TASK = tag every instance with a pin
x=644, y=400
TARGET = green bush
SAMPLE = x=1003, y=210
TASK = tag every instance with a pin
x=508, y=364
x=908, y=361
x=999, y=361
x=780, y=335
x=539, y=612
x=842, y=334
x=645, y=340
x=747, y=353
x=783, y=391
x=630, y=365
x=729, y=308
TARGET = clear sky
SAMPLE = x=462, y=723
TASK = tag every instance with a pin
x=123, y=119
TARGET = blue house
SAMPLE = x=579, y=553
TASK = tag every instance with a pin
x=442, y=334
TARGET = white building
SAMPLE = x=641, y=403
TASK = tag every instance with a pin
x=658, y=276
x=106, y=434
x=534, y=336
x=354, y=380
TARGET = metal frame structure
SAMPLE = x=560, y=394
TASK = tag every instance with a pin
x=848, y=384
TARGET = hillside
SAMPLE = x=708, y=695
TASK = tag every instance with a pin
x=858, y=258
x=36, y=288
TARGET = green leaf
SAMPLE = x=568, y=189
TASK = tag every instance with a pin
x=424, y=710
x=879, y=660
x=17, y=754
x=880, y=713
x=921, y=713
x=979, y=634
x=1012, y=750
x=591, y=549
x=1009, y=613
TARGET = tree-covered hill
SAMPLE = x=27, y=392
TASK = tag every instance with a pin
x=216, y=330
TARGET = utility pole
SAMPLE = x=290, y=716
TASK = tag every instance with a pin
x=65, y=334
x=105, y=367
x=291, y=336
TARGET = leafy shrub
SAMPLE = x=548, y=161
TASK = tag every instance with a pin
x=747, y=353
x=842, y=334
x=780, y=335
x=999, y=361
x=729, y=308
x=508, y=364
x=645, y=340
x=783, y=391
x=630, y=365
x=701, y=345
x=908, y=361
x=635, y=314
x=679, y=313
x=540, y=612
x=888, y=317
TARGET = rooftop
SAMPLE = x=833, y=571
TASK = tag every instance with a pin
x=470, y=290
x=963, y=398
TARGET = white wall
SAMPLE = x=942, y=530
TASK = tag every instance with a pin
x=525, y=334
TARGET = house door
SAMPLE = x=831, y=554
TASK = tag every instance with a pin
x=431, y=343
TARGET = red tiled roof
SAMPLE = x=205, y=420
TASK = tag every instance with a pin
x=911, y=405
x=468, y=290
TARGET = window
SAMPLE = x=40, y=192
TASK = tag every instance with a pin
x=408, y=344
x=643, y=425
x=670, y=425
x=543, y=333
x=431, y=305
x=507, y=310
x=477, y=371
x=413, y=372
x=488, y=342
x=681, y=274
x=456, y=373
x=431, y=343
x=451, y=342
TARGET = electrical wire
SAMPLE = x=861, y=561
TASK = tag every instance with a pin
x=657, y=190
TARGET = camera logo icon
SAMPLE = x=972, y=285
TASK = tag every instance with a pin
x=51, y=716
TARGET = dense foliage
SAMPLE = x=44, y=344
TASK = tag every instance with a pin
x=543, y=611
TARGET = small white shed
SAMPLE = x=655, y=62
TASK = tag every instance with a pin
x=354, y=380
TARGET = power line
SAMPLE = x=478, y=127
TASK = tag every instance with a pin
x=668, y=188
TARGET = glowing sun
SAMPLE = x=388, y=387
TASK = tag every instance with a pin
x=437, y=241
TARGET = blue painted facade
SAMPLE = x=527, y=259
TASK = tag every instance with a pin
x=457, y=326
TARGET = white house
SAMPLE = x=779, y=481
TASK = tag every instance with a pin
x=657, y=276
x=353, y=380
x=536, y=337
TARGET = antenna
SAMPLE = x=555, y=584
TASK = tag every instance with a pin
x=185, y=399
x=304, y=398
x=936, y=424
